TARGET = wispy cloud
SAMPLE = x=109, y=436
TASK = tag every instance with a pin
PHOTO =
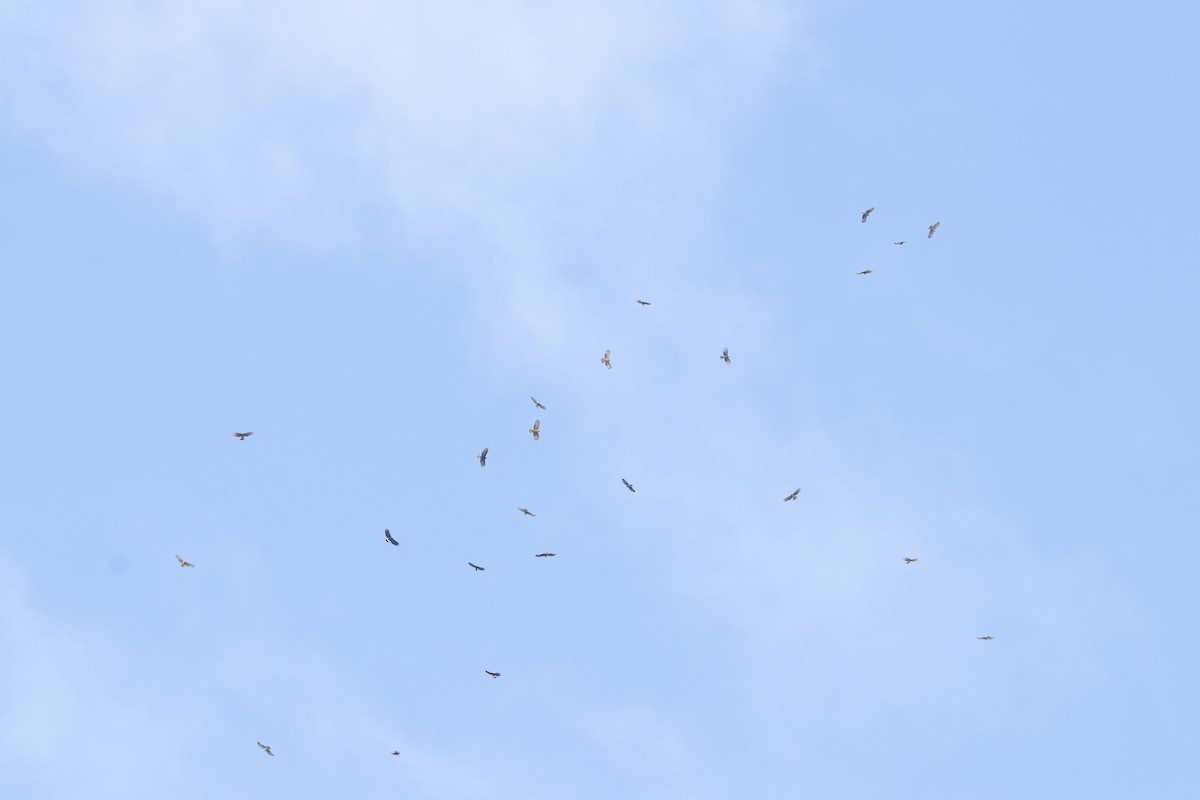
x=302, y=117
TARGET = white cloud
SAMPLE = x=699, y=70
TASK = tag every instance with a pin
x=300, y=117
x=68, y=721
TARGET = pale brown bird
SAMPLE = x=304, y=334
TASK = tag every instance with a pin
x=183, y=563
x=933, y=228
x=604, y=359
x=536, y=429
x=242, y=436
x=867, y=213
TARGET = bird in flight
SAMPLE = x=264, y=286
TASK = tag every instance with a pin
x=183, y=563
x=483, y=458
x=604, y=359
x=493, y=674
x=725, y=355
x=266, y=748
x=536, y=403
x=628, y=485
x=545, y=555
x=526, y=512
x=985, y=638
x=933, y=228
x=865, y=272
x=242, y=436
x=388, y=535
x=908, y=560
x=897, y=242
x=643, y=302
x=395, y=752
x=867, y=213
x=476, y=566
x=536, y=429
x=792, y=496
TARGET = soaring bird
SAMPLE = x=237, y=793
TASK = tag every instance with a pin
x=643, y=303
x=985, y=638
x=536, y=403
x=388, y=535
x=725, y=355
x=933, y=228
x=483, y=458
x=526, y=512
x=266, y=748
x=545, y=555
x=792, y=496
x=242, y=436
x=183, y=563
x=867, y=213
x=476, y=566
x=493, y=674
x=535, y=430
x=604, y=359
x=628, y=485
x=908, y=560
x=395, y=752
x=865, y=272
x=897, y=242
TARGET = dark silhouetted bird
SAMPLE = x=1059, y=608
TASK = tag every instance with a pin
x=388, y=535
x=908, y=560
x=536, y=403
x=985, y=638
x=493, y=674
x=526, y=512
x=483, y=458
x=536, y=429
x=933, y=228
x=183, y=563
x=604, y=359
x=865, y=272
x=266, y=748
x=242, y=436
x=867, y=213
x=643, y=303
x=897, y=242
x=476, y=566
x=792, y=496
x=545, y=555
x=395, y=752
x=628, y=485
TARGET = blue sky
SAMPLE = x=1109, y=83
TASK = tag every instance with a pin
x=370, y=234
